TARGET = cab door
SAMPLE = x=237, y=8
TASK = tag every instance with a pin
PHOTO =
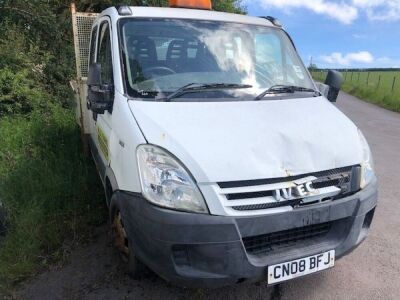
x=101, y=126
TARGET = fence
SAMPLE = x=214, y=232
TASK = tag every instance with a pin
x=386, y=82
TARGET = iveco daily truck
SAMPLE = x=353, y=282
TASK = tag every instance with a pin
x=222, y=161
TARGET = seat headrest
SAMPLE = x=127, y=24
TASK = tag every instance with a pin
x=177, y=49
x=142, y=48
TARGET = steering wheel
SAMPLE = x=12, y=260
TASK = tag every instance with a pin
x=159, y=71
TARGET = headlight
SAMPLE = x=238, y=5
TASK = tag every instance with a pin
x=165, y=182
x=367, y=165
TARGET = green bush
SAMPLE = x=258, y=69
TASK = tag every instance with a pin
x=50, y=190
x=18, y=93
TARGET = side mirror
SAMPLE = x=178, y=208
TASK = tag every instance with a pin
x=334, y=80
x=100, y=96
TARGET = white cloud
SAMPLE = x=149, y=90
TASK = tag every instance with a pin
x=344, y=11
x=361, y=59
x=345, y=60
x=368, y=3
x=380, y=10
x=387, y=62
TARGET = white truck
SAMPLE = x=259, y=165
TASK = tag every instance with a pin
x=222, y=160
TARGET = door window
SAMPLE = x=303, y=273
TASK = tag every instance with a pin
x=93, y=41
x=104, y=54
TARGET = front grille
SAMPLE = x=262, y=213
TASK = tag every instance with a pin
x=246, y=196
x=249, y=195
x=271, y=242
x=267, y=205
x=245, y=183
x=339, y=179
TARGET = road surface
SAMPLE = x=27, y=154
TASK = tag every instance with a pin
x=371, y=272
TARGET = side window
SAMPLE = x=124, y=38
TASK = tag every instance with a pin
x=104, y=56
x=93, y=41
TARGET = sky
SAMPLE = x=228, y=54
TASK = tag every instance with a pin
x=339, y=34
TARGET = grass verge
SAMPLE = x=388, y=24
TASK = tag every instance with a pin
x=369, y=94
x=51, y=192
x=381, y=97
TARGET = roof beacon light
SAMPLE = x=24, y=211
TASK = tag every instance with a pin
x=197, y=4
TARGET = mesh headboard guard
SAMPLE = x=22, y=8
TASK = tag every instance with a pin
x=82, y=26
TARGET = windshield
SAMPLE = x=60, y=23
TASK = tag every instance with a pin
x=162, y=55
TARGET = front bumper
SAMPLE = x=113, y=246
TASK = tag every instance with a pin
x=195, y=250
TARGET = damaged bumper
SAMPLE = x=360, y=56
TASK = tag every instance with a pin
x=195, y=250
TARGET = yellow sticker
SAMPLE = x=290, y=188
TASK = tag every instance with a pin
x=103, y=142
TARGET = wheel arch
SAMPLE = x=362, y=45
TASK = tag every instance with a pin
x=110, y=185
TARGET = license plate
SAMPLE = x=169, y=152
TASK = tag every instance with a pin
x=300, y=267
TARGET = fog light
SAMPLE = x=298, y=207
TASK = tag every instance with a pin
x=368, y=219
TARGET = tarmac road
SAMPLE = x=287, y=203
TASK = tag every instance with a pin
x=371, y=272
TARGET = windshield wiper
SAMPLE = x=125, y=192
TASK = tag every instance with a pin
x=281, y=89
x=198, y=87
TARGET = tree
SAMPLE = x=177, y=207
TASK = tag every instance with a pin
x=234, y=6
x=37, y=35
x=312, y=66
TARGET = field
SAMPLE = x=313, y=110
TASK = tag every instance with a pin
x=378, y=87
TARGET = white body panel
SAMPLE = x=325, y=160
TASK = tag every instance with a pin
x=125, y=138
x=181, y=13
x=234, y=141
x=222, y=141
x=120, y=128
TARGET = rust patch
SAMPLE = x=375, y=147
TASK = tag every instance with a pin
x=120, y=237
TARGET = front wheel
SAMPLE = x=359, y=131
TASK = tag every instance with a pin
x=135, y=267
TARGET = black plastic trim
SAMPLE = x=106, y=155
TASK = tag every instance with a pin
x=195, y=250
x=101, y=166
x=245, y=183
x=111, y=177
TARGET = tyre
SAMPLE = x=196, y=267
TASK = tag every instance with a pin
x=136, y=268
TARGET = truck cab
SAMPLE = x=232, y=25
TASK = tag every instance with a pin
x=222, y=160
